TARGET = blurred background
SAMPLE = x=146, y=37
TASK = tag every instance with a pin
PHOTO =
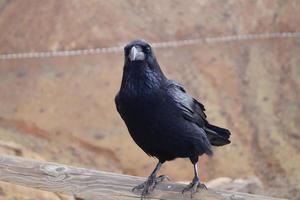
x=61, y=109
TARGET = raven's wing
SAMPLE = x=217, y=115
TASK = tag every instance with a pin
x=192, y=110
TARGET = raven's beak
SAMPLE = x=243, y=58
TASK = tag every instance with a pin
x=136, y=53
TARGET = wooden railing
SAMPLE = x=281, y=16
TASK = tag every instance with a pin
x=90, y=184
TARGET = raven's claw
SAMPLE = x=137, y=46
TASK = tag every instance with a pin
x=149, y=185
x=161, y=178
x=193, y=186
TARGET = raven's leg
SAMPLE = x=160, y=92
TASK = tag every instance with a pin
x=195, y=183
x=152, y=180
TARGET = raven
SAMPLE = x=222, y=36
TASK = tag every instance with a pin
x=163, y=120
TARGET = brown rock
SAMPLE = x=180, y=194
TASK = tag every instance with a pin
x=248, y=185
x=10, y=192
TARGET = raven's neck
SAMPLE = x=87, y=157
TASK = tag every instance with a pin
x=139, y=79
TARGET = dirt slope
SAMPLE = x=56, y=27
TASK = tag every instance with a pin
x=62, y=109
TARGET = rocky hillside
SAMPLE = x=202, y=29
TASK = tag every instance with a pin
x=61, y=109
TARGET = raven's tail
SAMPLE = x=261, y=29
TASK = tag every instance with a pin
x=217, y=136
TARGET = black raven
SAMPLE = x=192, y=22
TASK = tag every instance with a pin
x=163, y=120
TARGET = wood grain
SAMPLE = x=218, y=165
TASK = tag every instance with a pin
x=90, y=184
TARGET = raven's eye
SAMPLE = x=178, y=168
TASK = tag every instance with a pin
x=126, y=50
x=148, y=49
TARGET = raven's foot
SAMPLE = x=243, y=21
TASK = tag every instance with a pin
x=193, y=186
x=149, y=185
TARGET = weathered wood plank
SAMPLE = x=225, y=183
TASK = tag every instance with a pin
x=92, y=185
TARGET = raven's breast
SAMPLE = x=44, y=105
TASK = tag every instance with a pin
x=156, y=127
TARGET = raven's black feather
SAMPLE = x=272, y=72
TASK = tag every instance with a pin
x=161, y=117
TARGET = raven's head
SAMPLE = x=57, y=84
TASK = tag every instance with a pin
x=139, y=51
x=140, y=66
